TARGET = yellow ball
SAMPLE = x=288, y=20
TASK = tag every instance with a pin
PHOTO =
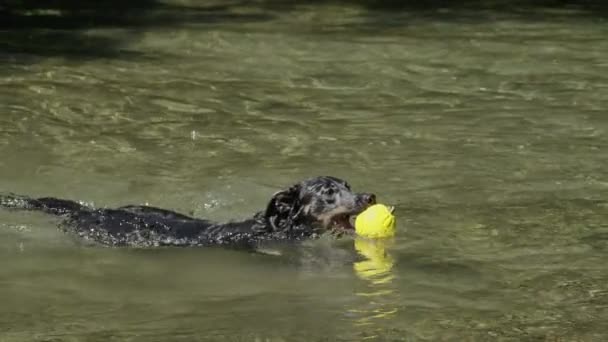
x=377, y=221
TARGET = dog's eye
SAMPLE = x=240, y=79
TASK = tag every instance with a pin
x=330, y=191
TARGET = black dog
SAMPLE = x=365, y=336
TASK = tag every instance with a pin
x=302, y=211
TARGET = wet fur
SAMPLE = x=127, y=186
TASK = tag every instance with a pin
x=302, y=211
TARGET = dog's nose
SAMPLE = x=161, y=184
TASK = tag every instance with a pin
x=369, y=198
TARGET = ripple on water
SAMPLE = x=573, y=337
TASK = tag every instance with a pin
x=487, y=134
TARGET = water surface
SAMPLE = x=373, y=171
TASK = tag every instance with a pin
x=486, y=128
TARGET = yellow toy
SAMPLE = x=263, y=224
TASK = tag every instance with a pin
x=377, y=221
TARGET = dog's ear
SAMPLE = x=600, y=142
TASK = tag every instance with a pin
x=284, y=208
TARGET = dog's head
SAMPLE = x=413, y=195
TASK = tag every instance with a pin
x=324, y=203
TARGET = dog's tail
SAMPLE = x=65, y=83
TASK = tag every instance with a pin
x=48, y=205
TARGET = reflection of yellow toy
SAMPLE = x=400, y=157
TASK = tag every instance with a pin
x=376, y=221
x=375, y=227
x=377, y=264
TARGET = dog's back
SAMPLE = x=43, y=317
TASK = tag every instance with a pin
x=135, y=226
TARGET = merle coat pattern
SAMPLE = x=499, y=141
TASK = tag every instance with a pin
x=302, y=211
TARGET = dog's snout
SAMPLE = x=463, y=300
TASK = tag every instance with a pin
x=369, y=198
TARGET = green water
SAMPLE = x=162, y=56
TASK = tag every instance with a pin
x=488, y=129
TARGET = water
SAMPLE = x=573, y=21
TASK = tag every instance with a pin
x=486, y=128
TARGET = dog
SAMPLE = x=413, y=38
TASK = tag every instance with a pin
x=304, y=210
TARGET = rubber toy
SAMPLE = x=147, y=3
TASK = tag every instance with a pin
x=377, y=221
